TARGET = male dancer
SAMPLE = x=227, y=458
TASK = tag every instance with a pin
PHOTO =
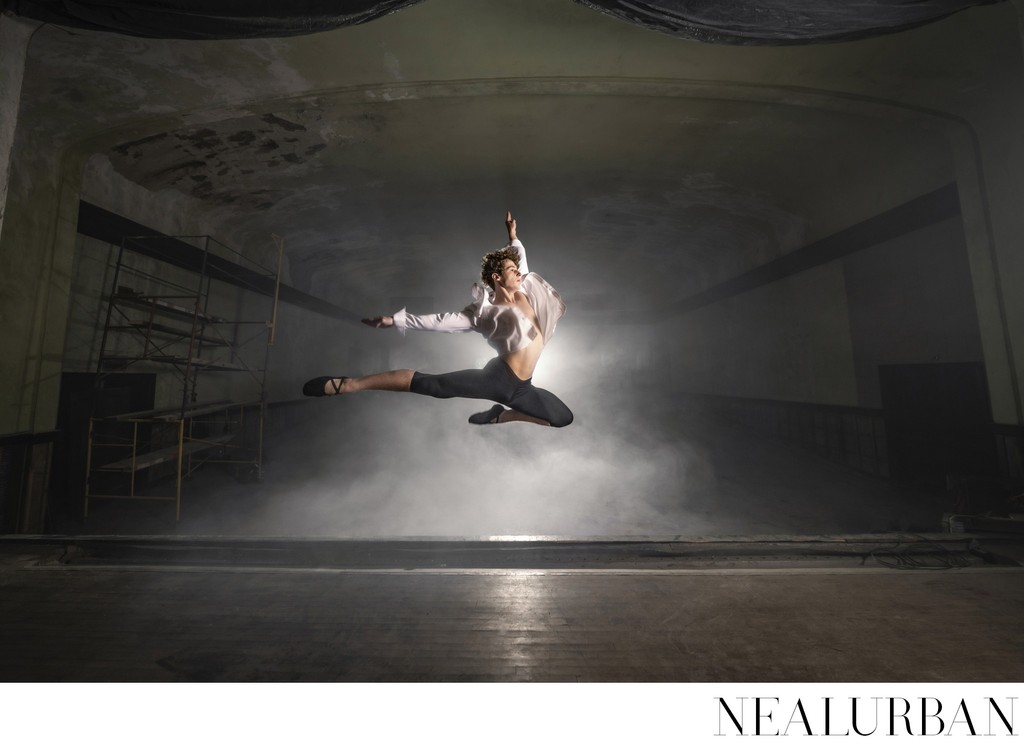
x=516, y=312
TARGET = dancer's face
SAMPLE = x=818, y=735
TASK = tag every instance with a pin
x=510, y=277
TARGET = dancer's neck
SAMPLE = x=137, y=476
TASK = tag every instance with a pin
x=503, y=296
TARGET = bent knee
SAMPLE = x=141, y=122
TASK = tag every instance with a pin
x=562, y=419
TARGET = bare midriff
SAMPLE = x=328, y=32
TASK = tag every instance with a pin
x=524, y=361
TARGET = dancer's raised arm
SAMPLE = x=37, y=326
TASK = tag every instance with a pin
x=513, y=241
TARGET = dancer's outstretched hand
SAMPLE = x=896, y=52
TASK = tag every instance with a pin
x=384, y=321
x=510, y=224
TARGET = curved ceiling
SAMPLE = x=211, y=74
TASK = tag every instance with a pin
x=693, y=190
x=387, y=153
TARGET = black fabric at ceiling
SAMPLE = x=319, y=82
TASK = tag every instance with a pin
x=779, y=22
x=766, y=22
x=205, y=19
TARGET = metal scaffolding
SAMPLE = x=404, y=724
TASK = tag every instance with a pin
x=161, y=319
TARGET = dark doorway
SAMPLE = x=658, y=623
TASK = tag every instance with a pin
x=79, y=400
x=938, y=421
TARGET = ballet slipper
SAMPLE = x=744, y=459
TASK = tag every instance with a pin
x=490, y=416
x=318, y=386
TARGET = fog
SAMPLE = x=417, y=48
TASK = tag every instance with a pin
x=643, y=457
x=628, y=242
x=640, y=460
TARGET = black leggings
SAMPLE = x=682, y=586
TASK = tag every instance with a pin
x=495, y=382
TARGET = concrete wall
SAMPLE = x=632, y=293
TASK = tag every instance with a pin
x=820, y=336
x=16, y=308
x=14, y=38
x=910, y=301
x=789, y=340
x=36, y=259
x=989, y=160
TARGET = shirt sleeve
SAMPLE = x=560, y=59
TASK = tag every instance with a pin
x=444, y=322
x=524, y=267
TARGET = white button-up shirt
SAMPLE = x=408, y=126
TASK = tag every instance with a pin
x=504, y=326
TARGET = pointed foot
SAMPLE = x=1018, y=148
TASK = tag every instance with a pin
x=490, y=416
x=320, y=386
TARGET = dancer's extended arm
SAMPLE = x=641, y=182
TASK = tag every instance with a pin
x=444, y=322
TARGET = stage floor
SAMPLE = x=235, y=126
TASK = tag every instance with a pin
x=747, y=610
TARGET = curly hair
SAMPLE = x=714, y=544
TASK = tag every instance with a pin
x=494, y=260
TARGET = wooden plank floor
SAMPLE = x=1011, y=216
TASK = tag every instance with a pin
x=192, y=624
